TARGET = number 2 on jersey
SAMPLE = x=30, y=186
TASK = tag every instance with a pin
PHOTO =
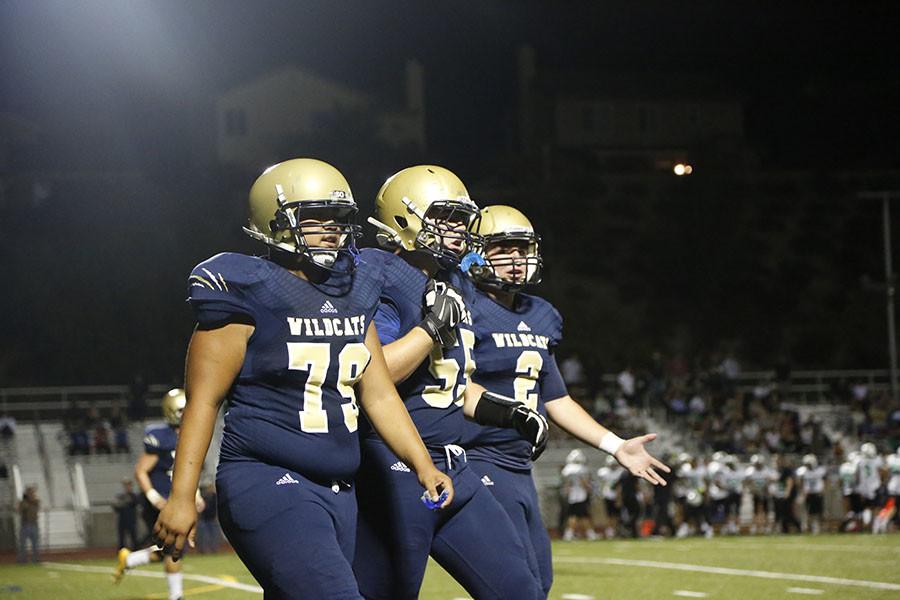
x=528, y=367
x=314, y=358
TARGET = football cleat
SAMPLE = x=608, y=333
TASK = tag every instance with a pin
x=121, y=565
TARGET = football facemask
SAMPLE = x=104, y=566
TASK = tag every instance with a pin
x=322, y=231
x=512, y=261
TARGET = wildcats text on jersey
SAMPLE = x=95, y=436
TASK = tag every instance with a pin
x=328, y=327
x=520, y=340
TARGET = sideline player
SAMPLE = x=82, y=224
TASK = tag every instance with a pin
x=577, y=488
x=426, y=219
x=812, y=479
x=153, y=473
x=290, y=340
x=870, y=466
x=693, y=489
x=608, y=478
x=848, y=475
x=516, y=336
x=757, y=477
x=893, y=486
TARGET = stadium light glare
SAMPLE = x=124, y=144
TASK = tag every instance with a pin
x=682, y=169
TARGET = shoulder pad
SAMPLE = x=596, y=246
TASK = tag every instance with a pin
x=376, y=256
x=549, y=314
x=228, y=269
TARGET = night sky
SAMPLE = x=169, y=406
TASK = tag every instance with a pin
x=110, y=87
x=796, y=64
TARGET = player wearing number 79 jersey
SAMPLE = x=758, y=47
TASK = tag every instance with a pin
x=289, y=340
x=516, y=335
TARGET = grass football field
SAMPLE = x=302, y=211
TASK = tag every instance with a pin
x=835, y=566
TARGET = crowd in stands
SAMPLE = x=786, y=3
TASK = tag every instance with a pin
x=90, y=432
x=706, y=403
x=739, y=434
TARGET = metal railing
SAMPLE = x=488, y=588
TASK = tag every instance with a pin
x=52, y=402
x=32, y=403
x=81, y=502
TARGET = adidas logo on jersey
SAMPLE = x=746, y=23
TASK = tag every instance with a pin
x=328, y=307
x=286, y=479
x=487, y=481
x=523, y=326
x=400, y=466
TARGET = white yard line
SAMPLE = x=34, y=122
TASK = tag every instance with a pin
x=254, y=589
x=807, y=591
x=577, y=597
x=826, y=547
x=652, y=564
x=689, y=594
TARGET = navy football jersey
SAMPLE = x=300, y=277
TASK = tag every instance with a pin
x=433, y=393
x=293, y=403
x=514, y=353
x=161, y=441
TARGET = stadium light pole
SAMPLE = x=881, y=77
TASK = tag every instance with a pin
x=889, y=279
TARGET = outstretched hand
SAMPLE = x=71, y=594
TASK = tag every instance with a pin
x=633, y=456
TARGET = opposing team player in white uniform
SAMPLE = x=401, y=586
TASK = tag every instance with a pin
x=891, y=511
x=756, y=478
x=869, y=483
x=848, y=475
x=576, y=479
x=607, y=479
x=691, y=486
x=812, y=478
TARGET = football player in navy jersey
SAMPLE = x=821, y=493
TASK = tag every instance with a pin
x=290, y=341
x=425, y=217
x=516, y=335
x=153, y=473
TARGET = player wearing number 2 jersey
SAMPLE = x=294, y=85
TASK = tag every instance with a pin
x=515, y=338
x=290, y=341
x=424, y=213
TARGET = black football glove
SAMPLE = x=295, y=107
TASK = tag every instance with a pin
x=444, y=308
x=533, y=427
x=500, y=411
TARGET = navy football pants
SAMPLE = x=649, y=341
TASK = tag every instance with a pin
x=295, y=536
x=473, y=538
x=515, y=492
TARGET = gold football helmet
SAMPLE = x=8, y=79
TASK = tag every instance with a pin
x=173, y=404
x=426, y=208
x=507, y=226
x=301, y=197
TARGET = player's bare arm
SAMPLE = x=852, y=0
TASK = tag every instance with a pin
x=142, y=470
x=403, y=356
x=631, y=454
x=385, y=410
x=214, y=360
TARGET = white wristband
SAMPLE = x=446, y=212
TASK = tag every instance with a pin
x=153, y=496
x=610, y=442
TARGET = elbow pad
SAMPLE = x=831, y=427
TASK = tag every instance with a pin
x=500, y=411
